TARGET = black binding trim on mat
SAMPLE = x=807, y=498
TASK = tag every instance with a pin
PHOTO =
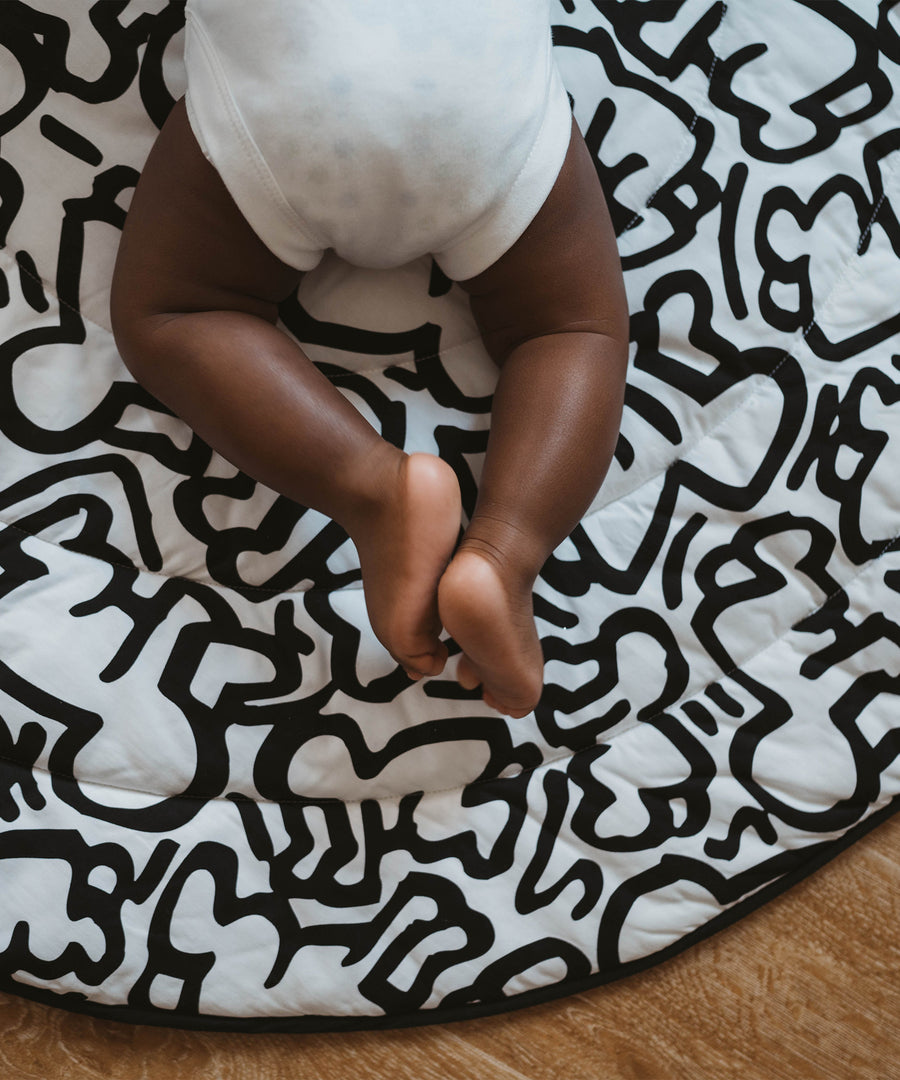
x=74, y=1002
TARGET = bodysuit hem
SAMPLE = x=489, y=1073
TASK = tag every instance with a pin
x=497, y=231
x=287, y=235
x=222, y=133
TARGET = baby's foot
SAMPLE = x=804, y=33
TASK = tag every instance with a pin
x=404, y=548
x=490, y=617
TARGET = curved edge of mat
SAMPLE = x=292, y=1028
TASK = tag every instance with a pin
x=818, y=855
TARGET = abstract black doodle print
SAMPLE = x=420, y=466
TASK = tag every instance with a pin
x=222, y=803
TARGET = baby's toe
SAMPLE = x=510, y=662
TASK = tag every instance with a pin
x=517, y=712
x=467, y=675
x=418, y=665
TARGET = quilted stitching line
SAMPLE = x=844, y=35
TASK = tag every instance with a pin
x=752, y=394
x=50, y=289
x=750, y=657
x=669, y=170
x=534, y=769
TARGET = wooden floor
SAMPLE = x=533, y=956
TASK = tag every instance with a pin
x=808, y=987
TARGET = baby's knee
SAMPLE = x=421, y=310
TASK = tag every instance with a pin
x=125, y=315
x=132, y=329
x=136, y=312
x=506, y=322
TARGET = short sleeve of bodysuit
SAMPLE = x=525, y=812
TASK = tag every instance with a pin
x=383, y=131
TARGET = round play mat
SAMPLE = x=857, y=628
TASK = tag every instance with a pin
x=222, y=804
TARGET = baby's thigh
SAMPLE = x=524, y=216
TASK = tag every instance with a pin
x=563, y=273
x=185, y=245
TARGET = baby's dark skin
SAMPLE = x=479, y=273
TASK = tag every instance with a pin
x=194, y=306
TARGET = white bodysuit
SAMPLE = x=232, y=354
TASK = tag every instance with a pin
x=383, y=129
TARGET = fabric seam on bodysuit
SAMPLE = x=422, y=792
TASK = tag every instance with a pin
x=489, y=216
x=277, y=198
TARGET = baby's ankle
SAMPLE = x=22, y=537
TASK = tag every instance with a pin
x=512, y=550
x=373, y=490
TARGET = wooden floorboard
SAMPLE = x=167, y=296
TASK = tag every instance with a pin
x=808, y=988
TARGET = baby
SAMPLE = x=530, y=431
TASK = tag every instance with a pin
x=387, y=131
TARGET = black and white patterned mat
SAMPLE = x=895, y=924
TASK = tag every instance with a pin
x=221, y=803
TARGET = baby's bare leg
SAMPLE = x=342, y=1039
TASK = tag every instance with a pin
x=194, y=306
x=553, y=315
